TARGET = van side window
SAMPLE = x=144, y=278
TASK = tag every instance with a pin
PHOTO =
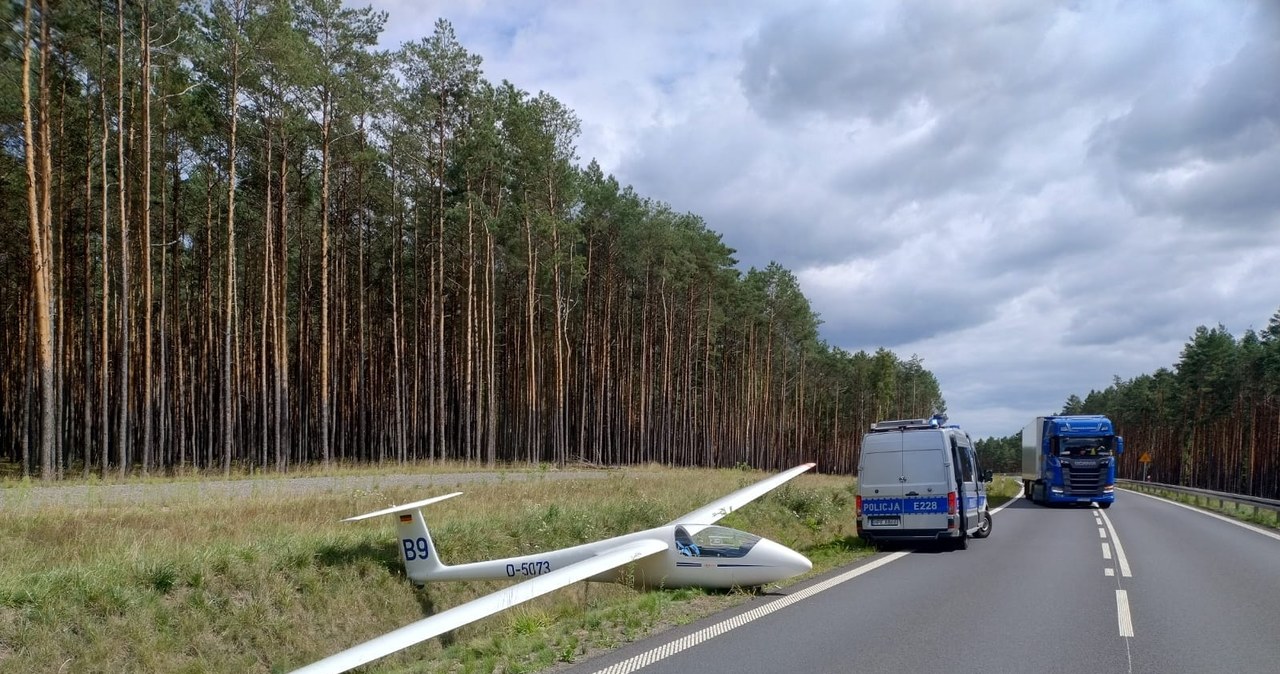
x=957, y=461
x=967, y=459
x=964, y=461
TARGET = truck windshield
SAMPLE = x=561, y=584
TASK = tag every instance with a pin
x=1085, y=447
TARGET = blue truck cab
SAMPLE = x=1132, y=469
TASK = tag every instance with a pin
x=1070, y=459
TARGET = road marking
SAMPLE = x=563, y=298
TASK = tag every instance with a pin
x=1109, y=572
x=689, y=641
x=1106, y=551
x=1122, y=613
x=1124, y=561
x=1102, y=533
x=1224, y=518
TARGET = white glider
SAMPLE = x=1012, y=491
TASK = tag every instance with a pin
x=689, y=551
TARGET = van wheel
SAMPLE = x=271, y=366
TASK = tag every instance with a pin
x=984, y=529
x=961, y=543
x=1104, y=505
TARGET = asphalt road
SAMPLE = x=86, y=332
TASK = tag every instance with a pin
x=1146, y=586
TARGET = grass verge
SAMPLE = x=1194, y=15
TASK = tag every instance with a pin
x=269, y=582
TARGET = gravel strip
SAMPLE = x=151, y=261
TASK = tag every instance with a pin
x=31, y=498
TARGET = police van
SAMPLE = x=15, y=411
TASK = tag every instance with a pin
x=919, y=480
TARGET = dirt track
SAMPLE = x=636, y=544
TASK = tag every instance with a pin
x=34, y=497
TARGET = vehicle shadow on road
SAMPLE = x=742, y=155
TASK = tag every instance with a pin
x=1024, y=504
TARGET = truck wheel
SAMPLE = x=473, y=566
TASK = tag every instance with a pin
x=984, y=529
x=1028, y=488
x=1104, y=505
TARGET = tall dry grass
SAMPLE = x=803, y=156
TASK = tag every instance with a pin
x=268, y=582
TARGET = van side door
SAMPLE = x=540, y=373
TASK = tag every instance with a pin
x=978, y=473
x=967, y=481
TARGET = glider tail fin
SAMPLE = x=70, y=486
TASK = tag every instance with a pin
x=421, y=562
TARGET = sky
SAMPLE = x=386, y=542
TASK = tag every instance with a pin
x=1034, y=197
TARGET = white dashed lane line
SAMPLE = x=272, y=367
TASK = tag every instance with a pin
x=1124, y=621
x=1122, y=613
x=1115, y=542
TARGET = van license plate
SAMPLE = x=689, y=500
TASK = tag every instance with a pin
x=885, y=521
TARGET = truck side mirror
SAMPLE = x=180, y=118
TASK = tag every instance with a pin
x=988, y=475
x=1119, y=445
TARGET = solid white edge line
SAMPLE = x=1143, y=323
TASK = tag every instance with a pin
x=672, y=647
x=1115, y=542
x=1224, y=518
x=1122, y=613
x=688, y=641
x=1106, y=551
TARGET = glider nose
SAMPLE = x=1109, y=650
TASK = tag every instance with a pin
x=787, y=560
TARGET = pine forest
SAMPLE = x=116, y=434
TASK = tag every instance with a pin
x=237, y=235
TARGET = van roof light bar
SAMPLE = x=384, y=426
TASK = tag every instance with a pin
x=936, y=421
x=897, y=424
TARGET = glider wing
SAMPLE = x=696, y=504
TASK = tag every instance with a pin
x=484, y=606
x=716, y=510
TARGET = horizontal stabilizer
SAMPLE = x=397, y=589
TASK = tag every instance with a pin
x=401, y=508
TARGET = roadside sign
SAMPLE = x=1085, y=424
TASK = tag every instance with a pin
x=1145, y=458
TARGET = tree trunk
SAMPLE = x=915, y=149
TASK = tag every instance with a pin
x=41, y=263
x=104, y=326
x=122, y=441
x=145, y=199
x=229, y=289
x=324, y=280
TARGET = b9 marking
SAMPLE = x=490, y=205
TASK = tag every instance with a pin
x=415, y=548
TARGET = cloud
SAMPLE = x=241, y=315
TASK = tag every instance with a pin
x=1034, y=197
x=1207, y=153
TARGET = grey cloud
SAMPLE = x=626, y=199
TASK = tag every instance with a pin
x=1209, y=153
x=867, y=323
x=769, y=203
x=1235, y=112
x=874, y=59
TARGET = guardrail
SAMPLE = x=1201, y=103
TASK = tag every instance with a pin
x=1209, y=496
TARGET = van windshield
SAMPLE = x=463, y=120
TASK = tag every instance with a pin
x=1085, y=447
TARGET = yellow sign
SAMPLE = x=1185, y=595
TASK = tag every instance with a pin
x=1145, y=458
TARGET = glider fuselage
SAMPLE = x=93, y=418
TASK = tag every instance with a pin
x=707, y=556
